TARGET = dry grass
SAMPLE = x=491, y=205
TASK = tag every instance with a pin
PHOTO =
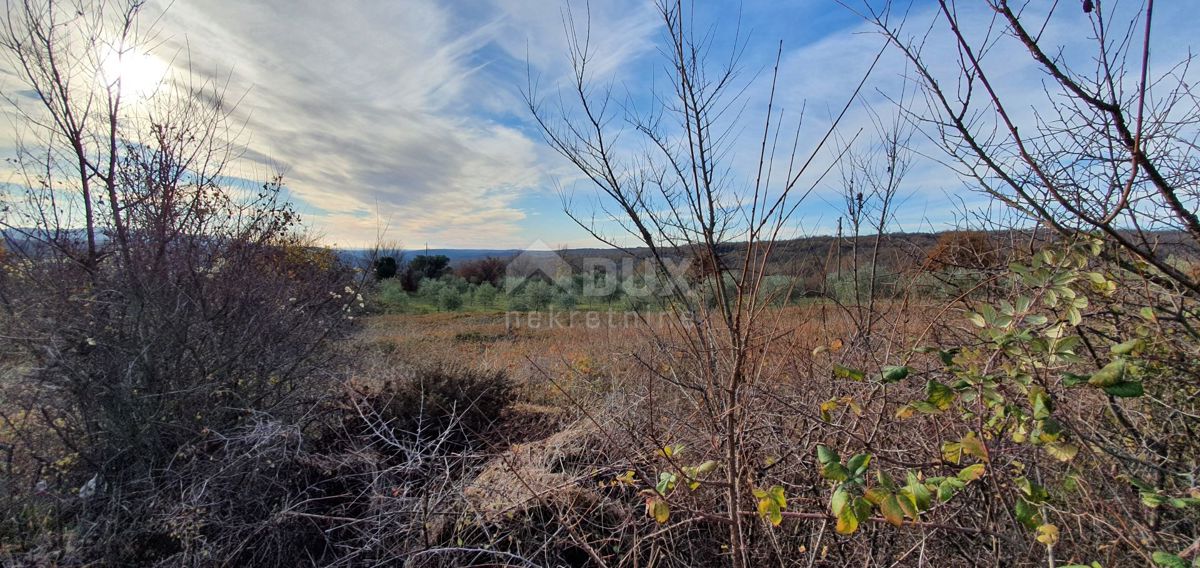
x=603, y=353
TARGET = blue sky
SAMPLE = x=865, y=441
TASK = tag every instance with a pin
x=407, y=115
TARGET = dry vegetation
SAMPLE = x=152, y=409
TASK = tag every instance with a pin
x=189, y=381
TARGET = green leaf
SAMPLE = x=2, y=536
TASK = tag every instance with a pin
x=1168, y=560
x=1152, y=500
x=1040, y=402
x=858, y=464
x=1028, y=514
x=939, y=395
x=885, y=480
x=666, y=482
x=1126, y=389
x=1110, y=374
x=1073, y=316
x=894, y=374
x=947, y=356
x=948, y=487
x=827, y=456
x=1127, y=347
x=905, y=500
x=835, y=472
x=1034, y=493
x=777, y=496
x=920, y=495
x=972, y=472
x=839, y=500
x=1071, y=379
x=925, y=407
x=848, y=373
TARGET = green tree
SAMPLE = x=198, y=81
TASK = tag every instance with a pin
x=485, y=295
x=449, y=299
x=430, y=266
x=386, y=268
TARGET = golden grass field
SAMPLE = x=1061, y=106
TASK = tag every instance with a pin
x=602, y=345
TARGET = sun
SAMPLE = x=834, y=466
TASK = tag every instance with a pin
x=140, y=74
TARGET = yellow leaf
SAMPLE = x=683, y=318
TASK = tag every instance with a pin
x=890, y=507
x=847, y=521
x=973, y=446
x=1062, y=451
x=952, y=452
x=661, y=511
x=1047, y=534
x=971, y=472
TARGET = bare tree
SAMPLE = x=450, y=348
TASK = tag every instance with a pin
x=683, y=196
x=1107, y=149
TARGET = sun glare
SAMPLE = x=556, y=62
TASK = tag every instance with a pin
x=139, y=74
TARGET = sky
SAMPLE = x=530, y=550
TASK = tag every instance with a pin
x=407, y=119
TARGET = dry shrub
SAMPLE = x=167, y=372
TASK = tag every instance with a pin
x=963, y=249
x=425, y=403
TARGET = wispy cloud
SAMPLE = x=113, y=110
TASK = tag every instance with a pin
x=403, y=111
x=412, y=113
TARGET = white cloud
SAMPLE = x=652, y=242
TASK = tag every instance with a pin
x=405, y=108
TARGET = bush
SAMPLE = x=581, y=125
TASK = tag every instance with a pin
x=485, y=295
x=391, y=295
x=181, y=311
x=430, y=289
x=430, y=403
x=386, y=268
x=842, y=288
x=488, y=270
x=518, y=303
x=449, y=299
x=565, y=300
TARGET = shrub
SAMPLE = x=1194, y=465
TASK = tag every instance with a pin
x=851, y=289
x=449, y=299
x=425, y=404
x=488, y=270
x=430, y=266
x=485, y=295
x=391, y=295
x=963, y=249
x=171, y=310
x=538, y=294
x=519, y=303
x=565, y=300
x=386, y=268
x=431, y=289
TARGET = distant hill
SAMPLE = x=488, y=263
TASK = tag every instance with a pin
x=456, y=256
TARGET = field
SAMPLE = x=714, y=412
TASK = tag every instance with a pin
x=934, y=307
